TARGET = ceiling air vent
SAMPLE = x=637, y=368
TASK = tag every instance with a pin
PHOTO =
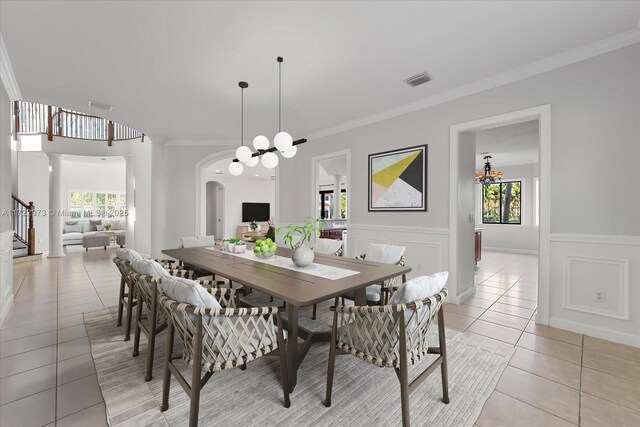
x=418, y=79
x=100, y=105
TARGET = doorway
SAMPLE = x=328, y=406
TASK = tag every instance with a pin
x=215, y=208
x=463, y=201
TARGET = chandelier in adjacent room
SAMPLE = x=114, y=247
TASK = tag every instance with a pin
x=487, y=176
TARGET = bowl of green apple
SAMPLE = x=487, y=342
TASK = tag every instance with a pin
x=265, y=248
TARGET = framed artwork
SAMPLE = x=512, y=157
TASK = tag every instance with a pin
x=398, y=180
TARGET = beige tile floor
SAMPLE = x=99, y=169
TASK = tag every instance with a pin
x=555, y=377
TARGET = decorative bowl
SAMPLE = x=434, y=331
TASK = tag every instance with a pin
x=264, y=255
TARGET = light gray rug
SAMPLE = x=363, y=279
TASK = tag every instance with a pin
x=363, y=394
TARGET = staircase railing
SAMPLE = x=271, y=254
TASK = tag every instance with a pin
x=22, y=218
x=31, y=117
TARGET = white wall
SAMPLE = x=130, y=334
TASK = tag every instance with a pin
x=6, y=232
x=513, y=238
x=239, y=190
x=33, y=174
x=84, y=176
x=595, y=105
x=466, y=211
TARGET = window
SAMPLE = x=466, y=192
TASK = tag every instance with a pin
x=88, y=204
x=501, y=203
x=326, y=204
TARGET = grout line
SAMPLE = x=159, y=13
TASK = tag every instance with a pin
x=88, y=407
x=545, y=378
x=535, y=407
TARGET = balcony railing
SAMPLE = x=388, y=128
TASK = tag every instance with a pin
x=32, y=118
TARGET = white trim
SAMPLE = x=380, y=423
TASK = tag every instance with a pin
x=200, y=194
x=469, y=293
x=623, y=313
x=541, y=113
x=6, y=74
x=6, y=273
x=402, y=229
x=598, y=239
x=594, y=331
x=558, y=61
x=510, y=250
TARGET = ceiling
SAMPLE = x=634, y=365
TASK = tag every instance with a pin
x=516, y=144
x=221, y=169
x=171, y=68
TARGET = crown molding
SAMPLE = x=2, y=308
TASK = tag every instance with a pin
x=600, y=47
x=6, y=74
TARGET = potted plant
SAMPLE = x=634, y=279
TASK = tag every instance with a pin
x=302, y=255
x=225, y=244
x=240, y=246
x=107, y=226
x=253, y=226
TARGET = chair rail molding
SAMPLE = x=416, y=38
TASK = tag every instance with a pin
x=594, y=281
x=6, y=274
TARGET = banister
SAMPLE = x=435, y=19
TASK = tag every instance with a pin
x=26, y=205
x=24, y=230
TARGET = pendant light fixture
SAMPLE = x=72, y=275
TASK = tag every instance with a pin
x=283, y=140
x=488, y=176
x=243, y=153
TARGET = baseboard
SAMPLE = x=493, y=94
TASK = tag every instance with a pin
x=597, y=332
x=510, y=250
x=6, y=307
x=464, y=296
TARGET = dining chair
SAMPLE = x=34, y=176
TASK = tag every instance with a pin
x=215, y=339
x=391, y=336
x=326, y=247
x=198, y=242
x=147, y=287
x=386, y=254
x=127, y=297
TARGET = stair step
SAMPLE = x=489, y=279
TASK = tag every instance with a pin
x=20, y=252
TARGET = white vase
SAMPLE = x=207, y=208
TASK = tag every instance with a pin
x=302, y=256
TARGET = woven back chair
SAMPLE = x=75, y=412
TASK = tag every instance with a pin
x=217, y=339
x=379, y=294
x=127, y=296
x=148, y=291
x=393, y=336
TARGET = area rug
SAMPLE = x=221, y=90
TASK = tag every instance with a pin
x=363, y=395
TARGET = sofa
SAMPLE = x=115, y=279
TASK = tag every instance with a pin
x=73, y=230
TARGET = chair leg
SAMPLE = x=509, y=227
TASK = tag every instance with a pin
x=404, y=393
x=151, y=346
x=283, y=365
x=120, y=305
x=166, y=383
x=136, y=335
x=127, y=332
x=313, y=316
x=195, y=374
x=443, y=353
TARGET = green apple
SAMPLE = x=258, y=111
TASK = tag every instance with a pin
x=272, y=248
x=268, y=240
x=259, y=241
x=257, y=250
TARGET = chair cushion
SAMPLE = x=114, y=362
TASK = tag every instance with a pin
x=374, y=293
x=386, y=254
x=75, y=228
x=188, y=291
x=149, y=267
x=420, y=288
x=128, y=255
x=72, y=236
x=327, y=246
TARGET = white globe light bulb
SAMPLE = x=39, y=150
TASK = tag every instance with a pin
x=260, y=142
x=243, y=153
x=269, y=160
x=290, y=152
x=252, y=162
x=282, y=141
x=235, y=168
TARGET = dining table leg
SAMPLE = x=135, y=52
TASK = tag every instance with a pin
x=292, y=345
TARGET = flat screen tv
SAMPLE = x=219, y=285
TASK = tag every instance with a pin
x=255, y=212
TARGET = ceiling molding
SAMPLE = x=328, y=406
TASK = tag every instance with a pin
x=533, y=69
x=6, y=74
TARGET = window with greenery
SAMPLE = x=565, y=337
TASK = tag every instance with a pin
x=83, y=204
x=326, y=204
x=502, y=203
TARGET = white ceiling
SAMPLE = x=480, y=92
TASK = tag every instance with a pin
x=171, y=68
x=516, y=144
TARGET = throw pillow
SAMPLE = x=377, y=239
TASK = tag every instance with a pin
x=118, y=225
x=420, y=288
x=386, y=254
x=128, y=255
x=188, y=291
x=93, y=223
x=77, y=228
x=100, y=227
x=149, y=267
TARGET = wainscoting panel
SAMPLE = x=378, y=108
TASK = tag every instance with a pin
x=595, y=285
x=6, y=274
x=427, y=248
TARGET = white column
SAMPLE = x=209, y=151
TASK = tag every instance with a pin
x=337, y=214
x=131, y=204
x=55, y=205
x=158, y=199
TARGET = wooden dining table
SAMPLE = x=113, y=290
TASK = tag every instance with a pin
x=295, y=287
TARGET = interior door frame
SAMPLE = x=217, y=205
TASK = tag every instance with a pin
x=542, y=114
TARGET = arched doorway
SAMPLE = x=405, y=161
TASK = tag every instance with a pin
x=215, y=208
